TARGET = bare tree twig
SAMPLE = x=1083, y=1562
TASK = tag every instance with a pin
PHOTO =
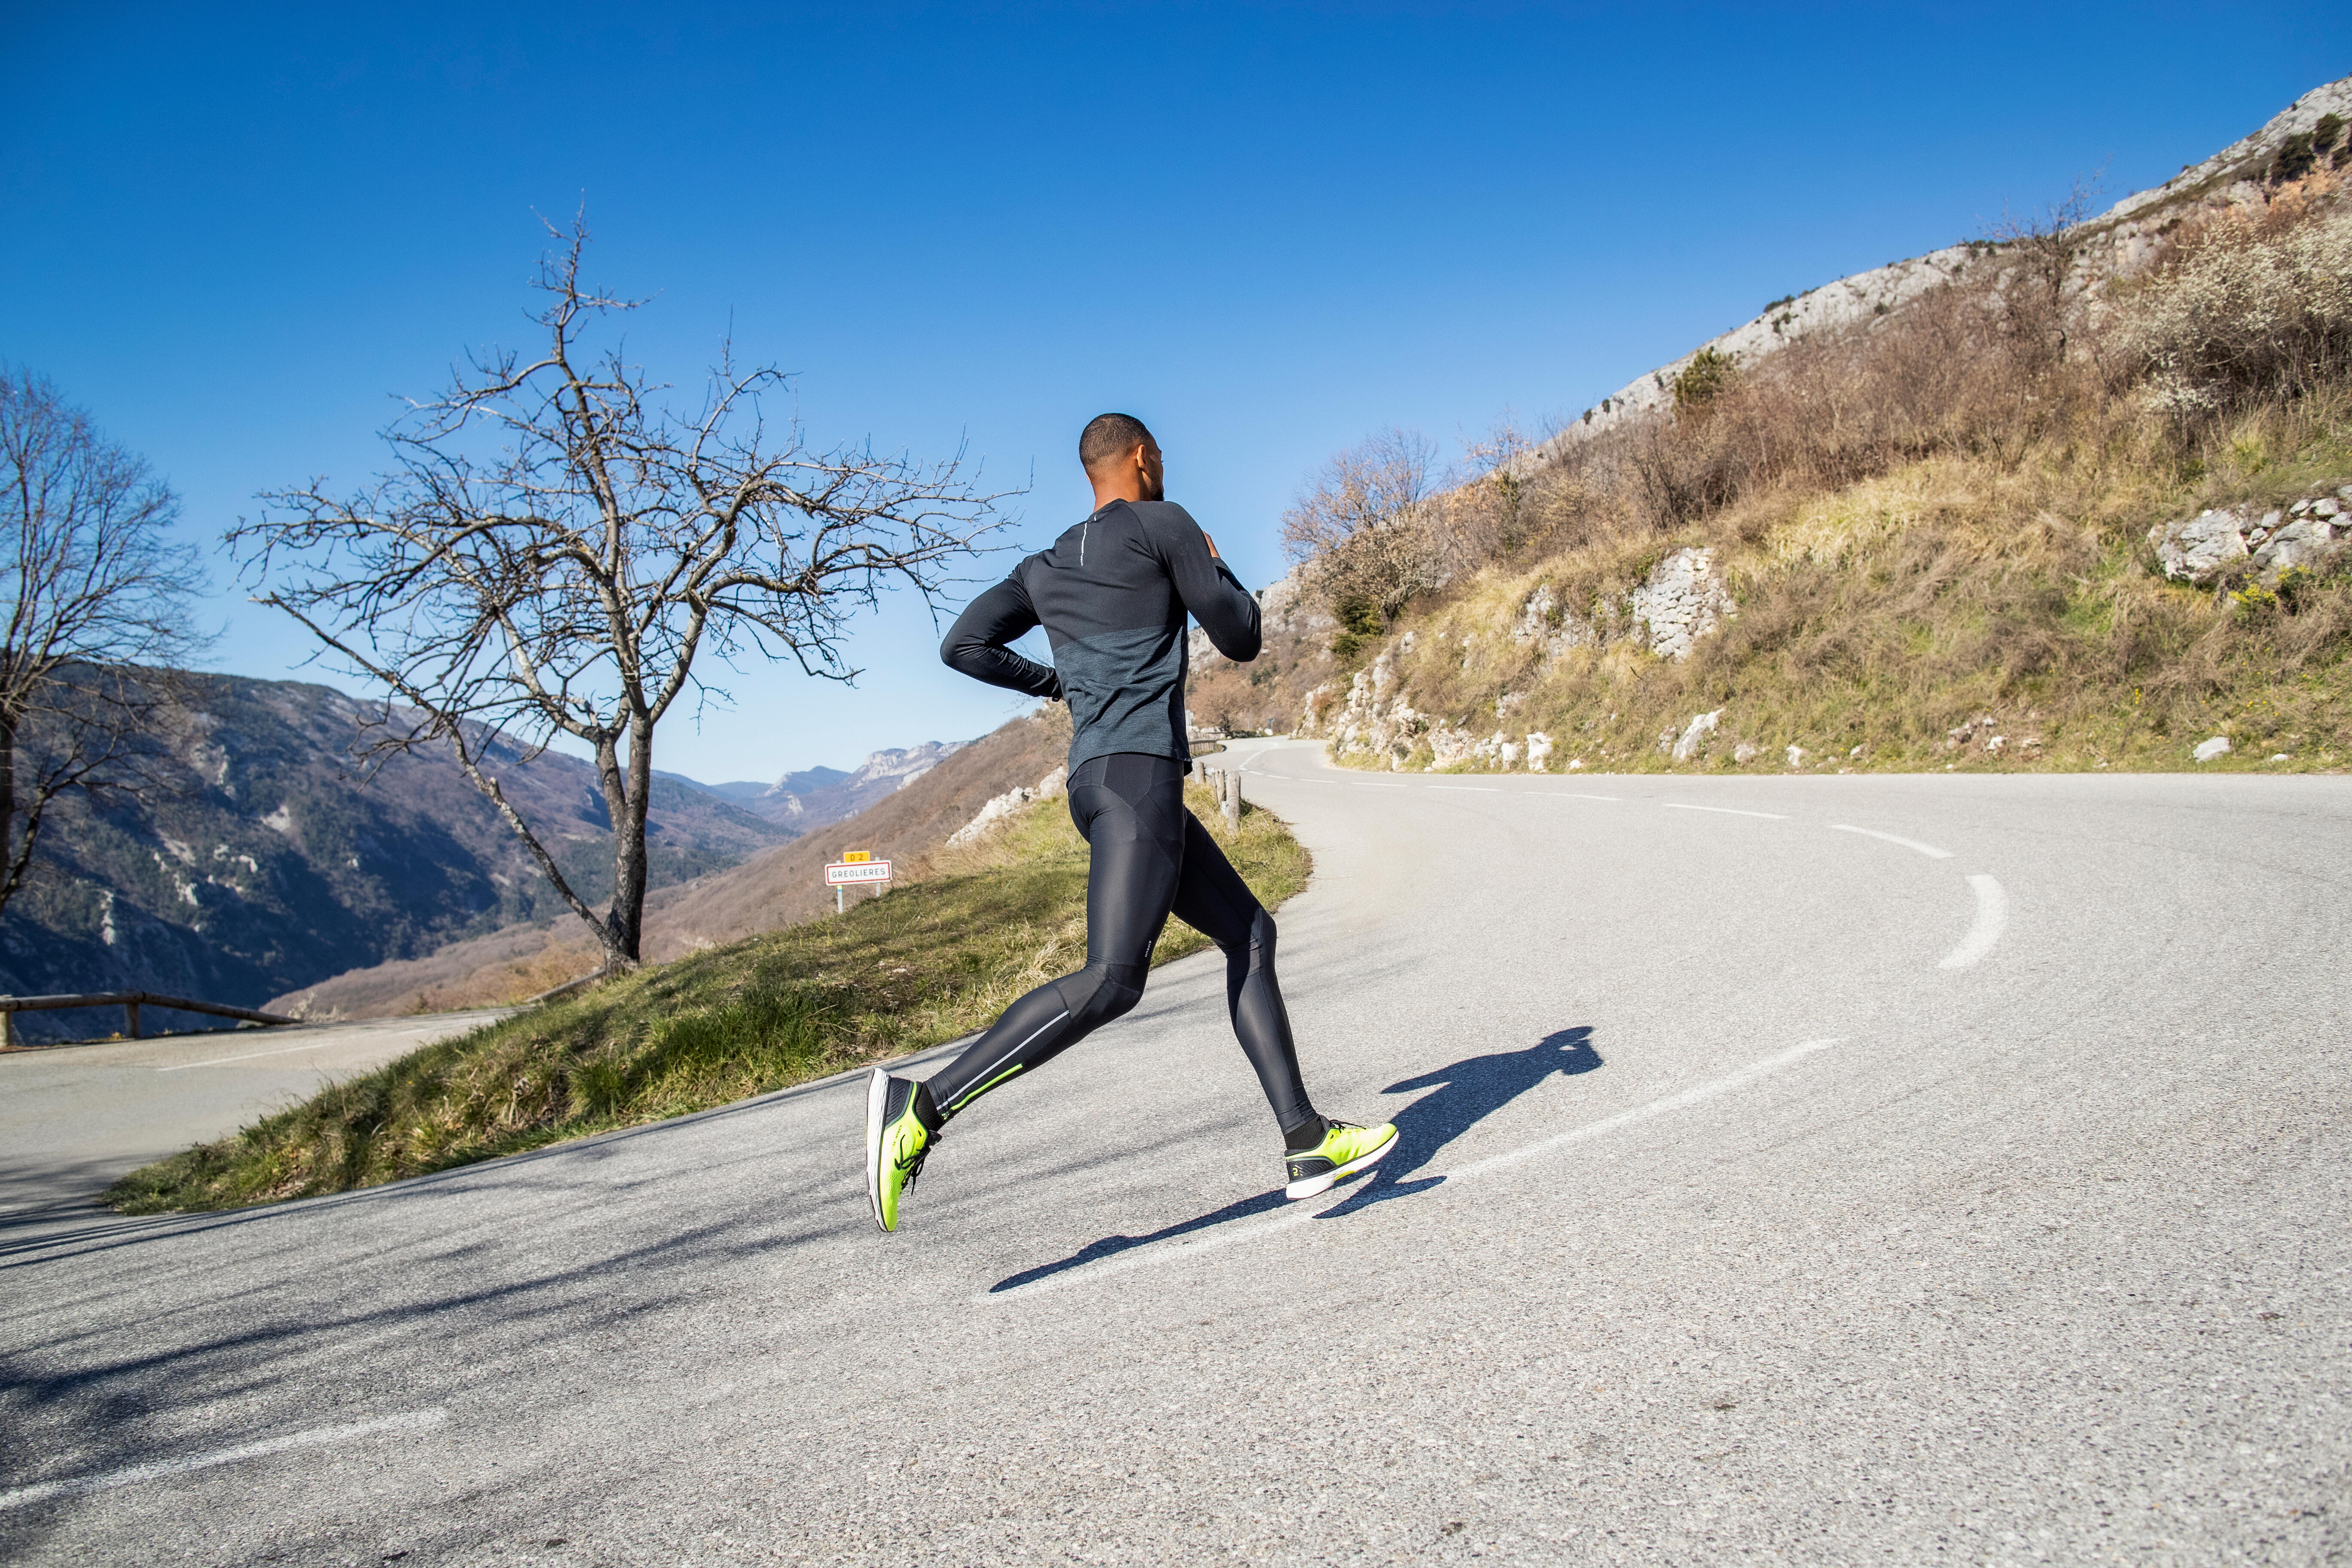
x=97, y=615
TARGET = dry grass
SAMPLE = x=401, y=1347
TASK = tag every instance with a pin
x=1891, y=612
x=898, y=974
x=1935, y=529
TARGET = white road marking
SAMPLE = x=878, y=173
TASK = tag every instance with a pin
x=1478, y=789
x=1571, y=794
x=1929, y=850
x=1726, y=810
x=411, y=1421
x=249, y=1056
x=1691, y=1096
x=1992, y=917
x=1265, y=1227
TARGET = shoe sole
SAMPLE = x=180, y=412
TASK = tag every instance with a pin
x=1329, y=1179
x=877, y=1094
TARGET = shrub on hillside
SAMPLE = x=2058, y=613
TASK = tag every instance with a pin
x=2243, y=313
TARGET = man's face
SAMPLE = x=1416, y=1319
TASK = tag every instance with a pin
x=1155, y=473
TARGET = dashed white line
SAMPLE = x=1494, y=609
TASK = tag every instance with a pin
x=409, y=1421
x=1726, y=810
x=1929, y=850
x=1270, y=1227
x=1992, y=917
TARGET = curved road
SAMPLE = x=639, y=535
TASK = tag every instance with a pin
x=1824, y=1169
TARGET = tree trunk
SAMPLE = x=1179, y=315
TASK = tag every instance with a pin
x=624, y=802
x=14, y=851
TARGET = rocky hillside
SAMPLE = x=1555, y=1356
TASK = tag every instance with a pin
x=2072, y=499
x=2123, y=241
x=265, y=862
x=776, y=888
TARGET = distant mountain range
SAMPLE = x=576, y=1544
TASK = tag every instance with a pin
x=268, y=862
x=815, y=797
x=909, y=821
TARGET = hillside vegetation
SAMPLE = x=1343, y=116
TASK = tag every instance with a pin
x=916, y=967
x=777, y=888
x=1923, y=541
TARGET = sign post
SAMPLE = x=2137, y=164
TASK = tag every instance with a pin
x=855, y=868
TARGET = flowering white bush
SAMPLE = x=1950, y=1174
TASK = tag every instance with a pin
x=2247, y=313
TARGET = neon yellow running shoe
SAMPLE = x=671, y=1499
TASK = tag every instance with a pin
x=901, y=1130
x=1346, y=1149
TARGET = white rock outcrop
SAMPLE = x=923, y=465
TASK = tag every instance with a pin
x=1681, y=602
x=2219, y=746
x=1694, y=734
x=1553, y=630
x=2307, y=534
x=1005, y=804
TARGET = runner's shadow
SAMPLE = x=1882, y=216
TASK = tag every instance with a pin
x=1112, y=1246
x=1467, y=1093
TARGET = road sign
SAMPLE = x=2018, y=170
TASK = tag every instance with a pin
x=850, y=873
x=857, y=856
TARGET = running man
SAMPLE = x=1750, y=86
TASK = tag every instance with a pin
x=1112, y=595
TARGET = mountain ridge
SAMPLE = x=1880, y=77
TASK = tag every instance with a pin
x=268, y=857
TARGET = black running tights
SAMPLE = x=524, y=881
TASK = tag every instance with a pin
x=1150, y=859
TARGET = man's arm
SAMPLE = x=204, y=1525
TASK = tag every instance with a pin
x=975, y=643
x=1214, y=595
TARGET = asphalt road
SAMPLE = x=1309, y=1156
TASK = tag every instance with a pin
x=1826, y=1170
x=74, y=1118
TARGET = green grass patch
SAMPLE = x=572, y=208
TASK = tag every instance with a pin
x=913, y=969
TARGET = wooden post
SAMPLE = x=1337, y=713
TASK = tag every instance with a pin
x=8, y=1029
x=1233, y=801
x=131, y=1019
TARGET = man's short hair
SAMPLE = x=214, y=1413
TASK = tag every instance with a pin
x=1108, y=436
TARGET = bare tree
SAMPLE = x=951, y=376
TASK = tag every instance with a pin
x=96, y=590
x=1362, y=527
x=556, y=547
x=2043, y=248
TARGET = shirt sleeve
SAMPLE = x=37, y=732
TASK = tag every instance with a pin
x=1209, y=589
x=975, y=643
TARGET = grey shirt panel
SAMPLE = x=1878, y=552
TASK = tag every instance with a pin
x=1113, y=595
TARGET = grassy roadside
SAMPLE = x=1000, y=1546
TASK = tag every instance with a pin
x=922, y=965
x=1969, y=611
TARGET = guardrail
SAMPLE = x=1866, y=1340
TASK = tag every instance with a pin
x=130, y=1002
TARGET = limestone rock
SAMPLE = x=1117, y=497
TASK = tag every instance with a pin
x=1553, y=630
x=1003, y=806
x=1694, y=735
x=2197, y=549
x=1682, y=601
x=2219, y=746
x=2307, y=535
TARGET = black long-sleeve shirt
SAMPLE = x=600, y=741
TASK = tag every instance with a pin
x=1112, y=595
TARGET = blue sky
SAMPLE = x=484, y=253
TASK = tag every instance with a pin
x=233, y=234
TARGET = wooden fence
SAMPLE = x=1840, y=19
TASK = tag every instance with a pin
x=130, y=1002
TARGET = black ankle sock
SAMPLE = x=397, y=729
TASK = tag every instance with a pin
x=1305, y=1136
x=927, y=1111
